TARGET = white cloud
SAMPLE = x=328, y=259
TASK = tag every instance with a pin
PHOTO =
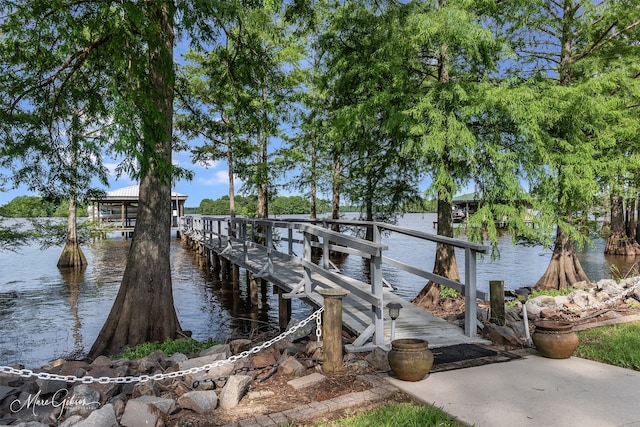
x=218, y=178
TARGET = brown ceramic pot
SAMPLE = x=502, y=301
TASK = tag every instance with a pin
x=555, y=339
x=410, y=359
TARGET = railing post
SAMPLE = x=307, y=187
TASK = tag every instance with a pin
x=306, y=274
x=375, y=268
x=332, y=329
x=470, y=306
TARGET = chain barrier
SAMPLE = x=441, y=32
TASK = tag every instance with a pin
x=595, y=306
x=27, y=373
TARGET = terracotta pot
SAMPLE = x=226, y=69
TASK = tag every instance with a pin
x=410, y=359
x=555, y=339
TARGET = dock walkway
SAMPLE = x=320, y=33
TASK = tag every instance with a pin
x=364, y=312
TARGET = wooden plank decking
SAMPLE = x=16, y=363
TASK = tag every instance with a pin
x=413, y=322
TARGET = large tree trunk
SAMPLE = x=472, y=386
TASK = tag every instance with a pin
x=564, y=269
x=72, y=255
x=143, y=310
x=335, y=190
x=445, y=263
x=618, y=242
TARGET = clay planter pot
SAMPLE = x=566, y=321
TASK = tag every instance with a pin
x=555, y=339
x=410, y=359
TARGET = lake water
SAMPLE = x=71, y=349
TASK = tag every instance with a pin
x=47, y=313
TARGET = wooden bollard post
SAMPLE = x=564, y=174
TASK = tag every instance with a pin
x=332, y=329
x=496, y=296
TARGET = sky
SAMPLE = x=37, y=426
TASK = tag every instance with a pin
x=210, y=182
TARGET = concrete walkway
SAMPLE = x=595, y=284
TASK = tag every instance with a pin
x=534, y=391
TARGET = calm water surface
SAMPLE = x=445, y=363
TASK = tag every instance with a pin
x=47, y=313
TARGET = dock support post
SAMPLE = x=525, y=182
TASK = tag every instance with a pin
x=332, y=329
x=496, y=296
x=215, y=265
x=253, y=289
x=235, y=274
x=284, y=310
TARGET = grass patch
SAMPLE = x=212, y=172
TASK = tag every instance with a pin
x=615, y=345
x=397, y=415
x=169, y=347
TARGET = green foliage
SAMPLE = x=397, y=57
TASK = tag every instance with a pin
x=396, y=415
x=183, y=345
x=550, y=292
x=615, y=345
x=38, y=207
x=28, y=207
x=12, y=238
x=247, y=206
x=446, y=292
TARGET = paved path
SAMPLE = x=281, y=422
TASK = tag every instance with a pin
x=534, y=391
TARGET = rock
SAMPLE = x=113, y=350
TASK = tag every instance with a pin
x=263, y=359
x=581, y=285
x=222, y=371
x=71, y=421
x=301, y=332
x=146, y=410
x=145, y=388
x=378, y=359
x=102, y=361
x=222, y=349
x=8, y=391
x=307, y=381
x=82, y=401
x=234, y=390
x=198, y=362
x=580, y=298
x=48, y=387
x=239, y=345
x=151, y=362
x=31, y=424
x=176, y=358
x=103, y=417
x=550, y=314
x=108, y=390
x=199, y=401
x=291, y=366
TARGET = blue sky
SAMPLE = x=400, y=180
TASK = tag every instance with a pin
x=211, y=182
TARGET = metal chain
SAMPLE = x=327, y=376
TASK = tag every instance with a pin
x=594, y=306
x=27, y=373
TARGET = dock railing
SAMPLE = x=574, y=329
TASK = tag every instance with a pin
x=224, y=234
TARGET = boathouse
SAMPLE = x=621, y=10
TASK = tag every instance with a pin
x=117, y=209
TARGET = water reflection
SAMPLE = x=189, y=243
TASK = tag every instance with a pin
x=73, y=278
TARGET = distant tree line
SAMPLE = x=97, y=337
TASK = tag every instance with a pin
x=37, y=207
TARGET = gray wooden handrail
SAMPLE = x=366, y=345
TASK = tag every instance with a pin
x=331, y=240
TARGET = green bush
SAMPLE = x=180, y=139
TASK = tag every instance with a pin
x=169, y=347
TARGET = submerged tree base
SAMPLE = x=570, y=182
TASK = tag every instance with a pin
x=620, y=244
x=72, y=256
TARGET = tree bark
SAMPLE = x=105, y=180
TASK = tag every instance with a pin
x=564, y=269
x=72, y=255
x=143, y=310
x=618, y=242
x=445, y=263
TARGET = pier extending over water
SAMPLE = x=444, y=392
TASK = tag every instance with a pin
x=266, y=249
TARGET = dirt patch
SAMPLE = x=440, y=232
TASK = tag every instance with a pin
x=275, y=395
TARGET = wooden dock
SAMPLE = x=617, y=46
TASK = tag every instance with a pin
x=364, y=308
